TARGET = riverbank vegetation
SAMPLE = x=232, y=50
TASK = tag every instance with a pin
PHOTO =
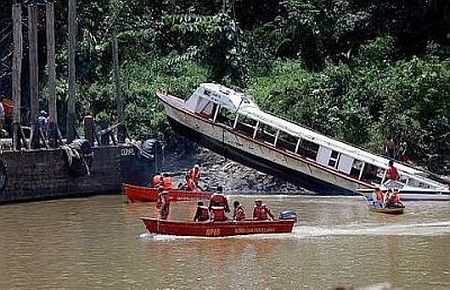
x=357, y=71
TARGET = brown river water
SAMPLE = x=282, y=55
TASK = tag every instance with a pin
x=99, y=242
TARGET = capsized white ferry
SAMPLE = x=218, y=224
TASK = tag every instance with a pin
x=231, y=124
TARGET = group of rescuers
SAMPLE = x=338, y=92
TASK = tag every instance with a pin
x=218, y=203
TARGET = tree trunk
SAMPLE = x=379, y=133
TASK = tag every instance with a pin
x=53, y=114
x=121, y=129
x=33, y=57
x=16, y=73
x=72, y=85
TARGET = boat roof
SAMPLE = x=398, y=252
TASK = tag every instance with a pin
x=244, y=105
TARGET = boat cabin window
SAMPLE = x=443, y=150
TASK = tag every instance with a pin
x=205, y=108
x=357, y=166
x=372, y=173
x=226, y=117
x=286, y=141
x=308, y=149
x=266, y=133
x=333, y=159
x=327, y=157
x=245, y=125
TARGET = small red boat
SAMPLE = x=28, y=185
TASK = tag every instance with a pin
x=143, y=193
x=217, y=229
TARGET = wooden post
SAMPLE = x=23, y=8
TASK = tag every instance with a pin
x=72, y=89
x=52, y=133
x=33, y=56
x=16, y=73
x=121, y=130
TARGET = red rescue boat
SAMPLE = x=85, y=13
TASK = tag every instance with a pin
x=148, y=194
x=217, y=229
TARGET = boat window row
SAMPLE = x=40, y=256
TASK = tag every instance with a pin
x=305, y=148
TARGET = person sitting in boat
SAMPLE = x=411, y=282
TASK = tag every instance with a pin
x=261, y=211
x=377, y=198
x=239, y=211
x=218, y=199
x=202, y=213
x=167, y=181
x=394, y=200
x=218, y=213
x=392, y=172
x=163, y=204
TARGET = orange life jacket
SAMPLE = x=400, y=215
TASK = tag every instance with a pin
x=219, y=213
x=379, y=195
x=195, y=175
x=204, y=214
x=395, y=198
x=239, y=213
x=218, y=200
x=167, y=182
x=156, y=180
x=260, y=212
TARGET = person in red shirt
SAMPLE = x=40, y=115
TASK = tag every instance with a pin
x=392, y=172
x=239, y=211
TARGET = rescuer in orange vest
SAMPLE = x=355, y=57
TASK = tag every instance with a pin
x=194, y=174
x=239, y=211
x=190, y=184
x=202, y=213
x=261, y=211
x=218, y=213
x=156, y=180
x=394, y=200
x=167, y=181
x=218, y=199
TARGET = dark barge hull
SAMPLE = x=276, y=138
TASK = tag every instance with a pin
x=261, y=164
x=44, y=174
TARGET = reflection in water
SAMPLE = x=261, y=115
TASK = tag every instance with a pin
x=100, y=242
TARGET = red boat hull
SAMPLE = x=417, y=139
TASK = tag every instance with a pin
x=147, y=194
x=217, y=229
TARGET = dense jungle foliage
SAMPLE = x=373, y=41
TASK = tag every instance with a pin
x=359, y=71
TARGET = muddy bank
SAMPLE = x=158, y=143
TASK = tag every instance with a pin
x=217, y=170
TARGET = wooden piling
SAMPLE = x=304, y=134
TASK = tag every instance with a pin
x=16, y=73
x=50, y=35
x=34, y=66
x=121, y=129
x=72, y=84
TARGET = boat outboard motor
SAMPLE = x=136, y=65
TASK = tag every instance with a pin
x=288, y=215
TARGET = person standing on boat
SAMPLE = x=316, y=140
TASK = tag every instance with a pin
x=239, y=211
x=261, y=211
x=163, y=203
x=202, y=213
x=392, y=172
x=218, y=199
